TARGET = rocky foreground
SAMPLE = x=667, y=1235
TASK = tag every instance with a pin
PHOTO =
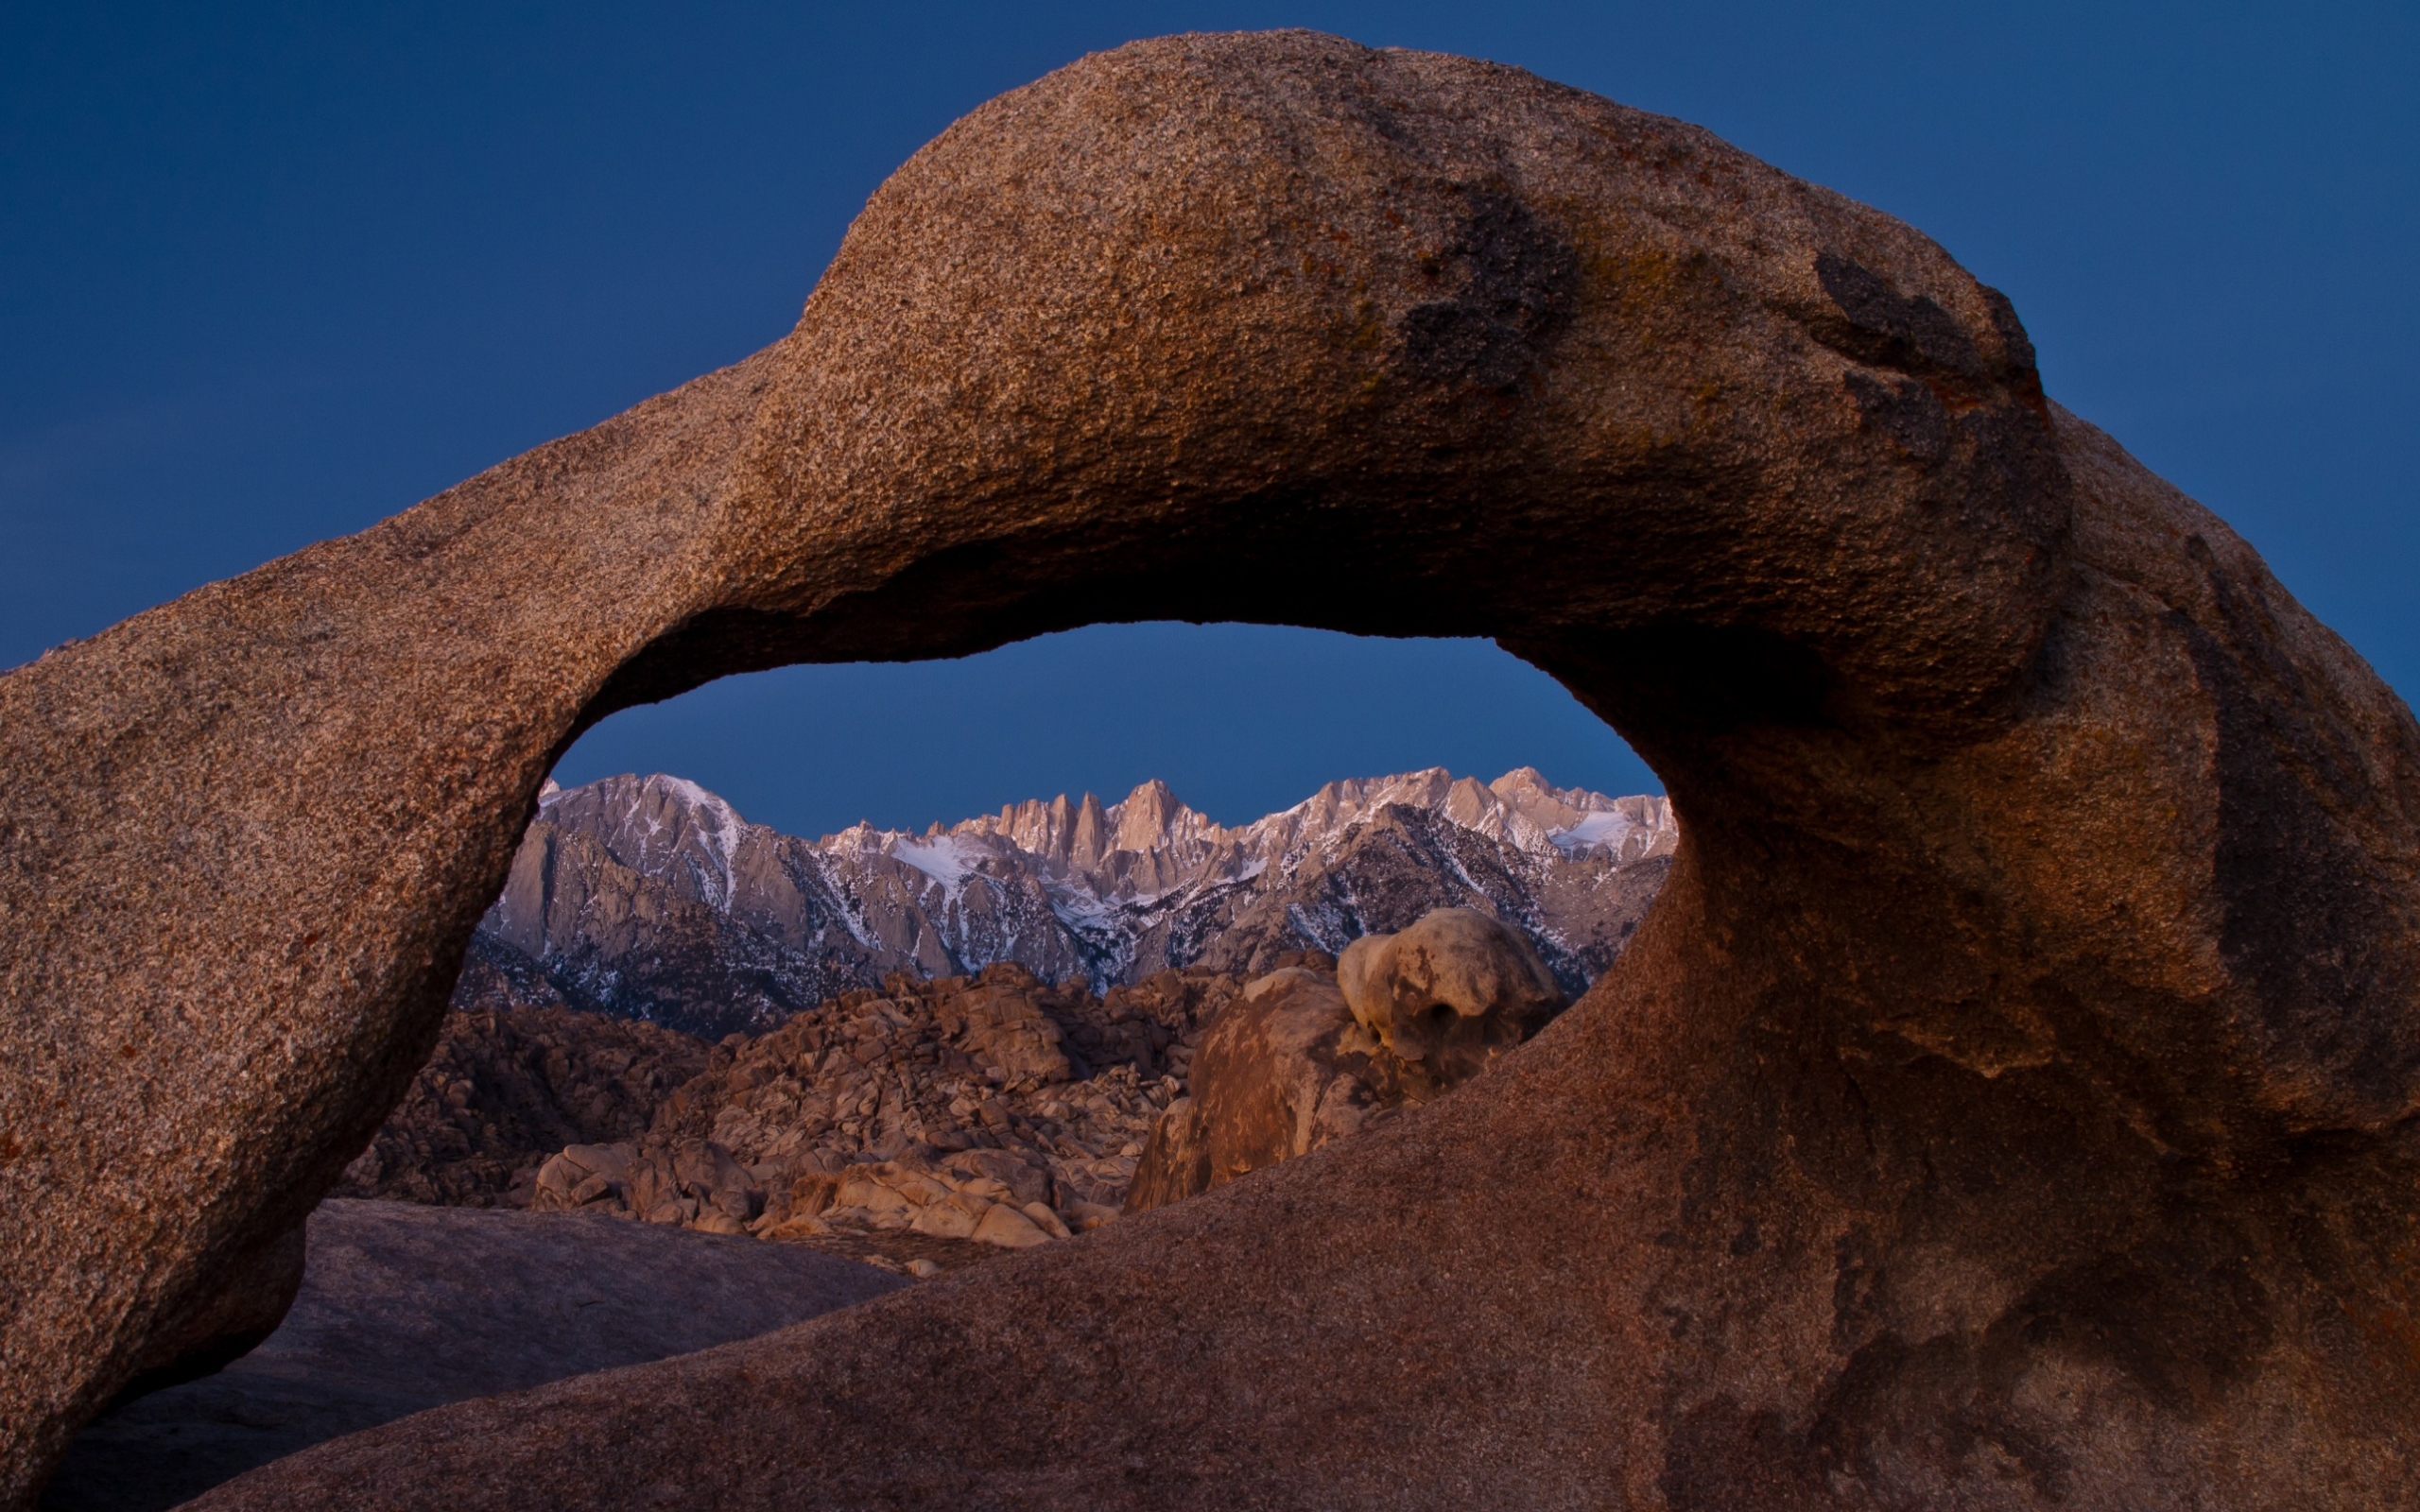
x=943, y=1115
x=996, y=1108
x=931, y=1122
x=918, y=1130
x=405, y=1307
x=516, y=1074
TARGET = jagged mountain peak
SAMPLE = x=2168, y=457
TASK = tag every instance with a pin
x=1152, y=817
x=659, y=825
x=652, y=896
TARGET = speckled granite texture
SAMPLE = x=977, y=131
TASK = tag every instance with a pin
x=2007, y=1103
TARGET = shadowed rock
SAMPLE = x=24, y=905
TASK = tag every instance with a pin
x=407, y=1306
x=2007, y=1103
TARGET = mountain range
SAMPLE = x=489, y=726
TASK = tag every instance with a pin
x=650, y=897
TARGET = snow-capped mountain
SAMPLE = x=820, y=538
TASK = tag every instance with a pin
x=652, y=897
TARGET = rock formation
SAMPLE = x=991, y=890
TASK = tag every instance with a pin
x=1282, y=1072
x=2008, y=1102
x=969, y=1087
x=1306, y=1056
x=404, y=1308
x=1449, y=995
x=651, y=898
x=919, y=1109
x=516, y=1076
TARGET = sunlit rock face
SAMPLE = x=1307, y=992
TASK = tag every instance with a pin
x=650, y=897
x=2008, y=1102
x=1312, y=1054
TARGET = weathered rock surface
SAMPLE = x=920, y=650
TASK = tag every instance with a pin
x=1307, y=1057
x=404, y=1308
x=996, y=1108
x=2008, y=1103
x=1282, y=1072
x=1449, y=994
x=961, y=1087
x=651, y=898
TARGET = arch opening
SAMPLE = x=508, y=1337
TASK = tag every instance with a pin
x=1239, y=720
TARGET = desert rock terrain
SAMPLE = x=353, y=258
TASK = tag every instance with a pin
x=517, y=1074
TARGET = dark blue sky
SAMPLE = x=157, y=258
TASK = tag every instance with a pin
x=269, y=273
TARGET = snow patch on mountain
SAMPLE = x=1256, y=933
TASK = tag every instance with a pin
x=651, y=895
x=944, y=858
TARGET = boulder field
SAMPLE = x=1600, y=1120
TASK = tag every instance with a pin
x=517, y=1075
x=2008, y=1102
x=994, y=1108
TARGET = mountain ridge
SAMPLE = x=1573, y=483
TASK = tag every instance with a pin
x=650, y=897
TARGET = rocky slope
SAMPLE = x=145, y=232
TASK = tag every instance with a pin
x=999, y=1108
x=651, y=898
x=1307, y=1057
x=915, y=1124
x=920, y=1086
x=516, y=1076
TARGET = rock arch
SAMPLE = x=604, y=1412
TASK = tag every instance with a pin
x=2008, y=1103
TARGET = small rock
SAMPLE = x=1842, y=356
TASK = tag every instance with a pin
x=1008, y=1229
x=1083, y=1217
x=958, y=1217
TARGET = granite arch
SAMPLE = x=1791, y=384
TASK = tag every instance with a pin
x=2010, y=1101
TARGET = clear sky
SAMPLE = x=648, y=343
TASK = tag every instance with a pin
x=269, y=273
